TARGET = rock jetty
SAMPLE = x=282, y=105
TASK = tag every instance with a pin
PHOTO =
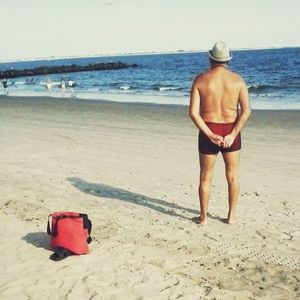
x=12, y=73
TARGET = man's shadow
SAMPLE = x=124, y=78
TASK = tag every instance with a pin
x=107, y=191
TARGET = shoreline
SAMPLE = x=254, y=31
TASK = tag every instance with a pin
x=89, y=100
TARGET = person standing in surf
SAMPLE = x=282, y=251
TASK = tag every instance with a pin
x=62, y=86
x=48, y=85
x=5, y=86
x=220, y=108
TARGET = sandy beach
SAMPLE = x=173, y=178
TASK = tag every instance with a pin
x=133, y=168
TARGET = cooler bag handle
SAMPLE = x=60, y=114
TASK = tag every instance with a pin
x=54, y=228
x=48, y=226
x=87, y=224
x=89, y=239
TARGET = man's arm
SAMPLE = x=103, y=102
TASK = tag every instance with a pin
x=194, y=113
x=242, y=117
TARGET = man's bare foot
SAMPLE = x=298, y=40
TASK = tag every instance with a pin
x=202, y=220
x=231, y=219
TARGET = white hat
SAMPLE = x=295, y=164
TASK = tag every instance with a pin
x=220, y=52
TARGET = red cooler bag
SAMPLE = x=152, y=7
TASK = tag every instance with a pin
x=69, y=230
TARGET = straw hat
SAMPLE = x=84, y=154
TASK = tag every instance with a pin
x=220, y=52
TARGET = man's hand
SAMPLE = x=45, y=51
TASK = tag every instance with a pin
x=216, y=139
x=228, y=140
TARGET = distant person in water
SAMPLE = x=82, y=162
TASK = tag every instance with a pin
x=71, y=85
x=71, y=82
x=215, y=98
x=5, y=86
x=62, y=86
x=48, y=85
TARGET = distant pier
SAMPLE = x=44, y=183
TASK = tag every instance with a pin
x=12, y=73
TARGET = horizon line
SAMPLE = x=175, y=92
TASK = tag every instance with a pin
x=180, y=51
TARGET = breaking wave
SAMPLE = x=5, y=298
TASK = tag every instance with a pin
x=263, y=88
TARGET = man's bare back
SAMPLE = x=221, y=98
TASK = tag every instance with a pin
x=219, y=91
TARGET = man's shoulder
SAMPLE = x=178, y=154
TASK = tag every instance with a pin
x=202, y=76
x=235, y=76
x=209, y=75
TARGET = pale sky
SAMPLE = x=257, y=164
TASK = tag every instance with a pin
x=41, y=28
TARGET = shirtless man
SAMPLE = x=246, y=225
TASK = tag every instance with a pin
x=216, y=96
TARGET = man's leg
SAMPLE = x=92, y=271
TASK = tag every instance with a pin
x=207, y=163
x=232, y=161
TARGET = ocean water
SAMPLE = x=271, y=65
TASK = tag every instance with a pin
x=272, y=77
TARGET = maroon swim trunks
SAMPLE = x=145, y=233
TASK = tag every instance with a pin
x=206, y=146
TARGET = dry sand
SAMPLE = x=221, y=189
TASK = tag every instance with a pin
x=133, y=168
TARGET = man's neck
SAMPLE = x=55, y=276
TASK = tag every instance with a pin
x=218, y=66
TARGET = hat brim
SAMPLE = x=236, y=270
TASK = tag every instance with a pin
x=220, y=59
